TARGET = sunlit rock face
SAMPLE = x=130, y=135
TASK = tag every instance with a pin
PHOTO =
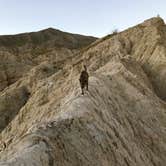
x=120, y=121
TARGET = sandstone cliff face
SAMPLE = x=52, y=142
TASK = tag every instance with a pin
x=120, y=121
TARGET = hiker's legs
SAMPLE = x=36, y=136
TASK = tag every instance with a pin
x=82, y=91
x=87, y=85
x=82, y=88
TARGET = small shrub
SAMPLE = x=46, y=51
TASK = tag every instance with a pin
x=115, y=31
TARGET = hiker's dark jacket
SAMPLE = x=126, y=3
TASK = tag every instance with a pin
x=84, y=78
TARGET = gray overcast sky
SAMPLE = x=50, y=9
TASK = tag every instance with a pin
x=88, y=17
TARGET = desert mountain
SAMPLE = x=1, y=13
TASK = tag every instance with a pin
x=120, y=121
x=20, y=53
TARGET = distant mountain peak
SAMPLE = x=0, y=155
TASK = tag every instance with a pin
x=49, y=29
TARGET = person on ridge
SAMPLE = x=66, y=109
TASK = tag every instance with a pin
x=84, y=79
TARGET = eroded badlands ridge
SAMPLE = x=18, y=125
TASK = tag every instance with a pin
x=120, y=121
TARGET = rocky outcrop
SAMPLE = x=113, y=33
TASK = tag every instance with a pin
x=119, y=121
x=144, y=42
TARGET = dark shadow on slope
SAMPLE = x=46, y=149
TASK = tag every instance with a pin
x=11, y=103
x=158, y=82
